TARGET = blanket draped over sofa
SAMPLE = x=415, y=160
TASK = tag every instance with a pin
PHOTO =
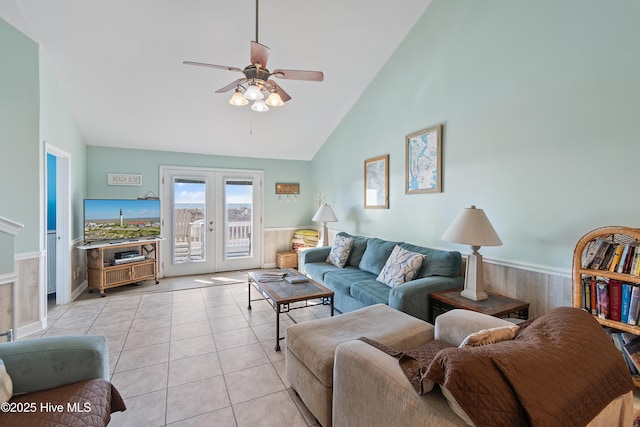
x=561, y=369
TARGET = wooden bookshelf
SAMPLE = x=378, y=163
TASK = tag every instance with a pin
x=613, y=234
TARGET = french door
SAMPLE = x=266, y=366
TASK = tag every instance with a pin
x=211, y=220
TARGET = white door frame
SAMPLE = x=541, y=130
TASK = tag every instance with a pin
x=63, y=225
x=259, y=197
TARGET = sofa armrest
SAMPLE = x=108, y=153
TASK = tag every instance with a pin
x=44, y=363
x=313, y=255
x=413, y=297
x=369, y=388
x=455, y=325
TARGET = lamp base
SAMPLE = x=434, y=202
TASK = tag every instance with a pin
x=474, y=280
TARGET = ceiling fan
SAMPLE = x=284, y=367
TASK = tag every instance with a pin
x=257, y=79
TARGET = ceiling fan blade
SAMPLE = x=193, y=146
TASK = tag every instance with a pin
x=222, y=67
x=283, y=95
x=230, y=86
x=314, y=76
x=259, y=54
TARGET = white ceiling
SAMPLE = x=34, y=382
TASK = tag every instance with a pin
x=119, y=65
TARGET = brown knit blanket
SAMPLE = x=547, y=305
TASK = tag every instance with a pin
x=561, y=369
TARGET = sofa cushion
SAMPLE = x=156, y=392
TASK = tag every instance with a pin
x=437, y=262
x=340, y=251
x=341, y=280
x=370, y=292
x=401, y=266
x=376, y=254
x=6, y=386
x=357, y=249
x=317, y=270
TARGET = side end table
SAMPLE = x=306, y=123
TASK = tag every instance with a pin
x=495, y=305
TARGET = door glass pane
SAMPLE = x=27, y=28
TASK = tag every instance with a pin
x=189, y=213
x=238, y=241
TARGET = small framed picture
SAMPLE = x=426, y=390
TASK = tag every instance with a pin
x=424, y=161
x=376, y=182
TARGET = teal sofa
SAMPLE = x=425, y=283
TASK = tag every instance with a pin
x=355, y=285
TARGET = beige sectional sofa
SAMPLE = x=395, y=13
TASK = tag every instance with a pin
x=370, y=388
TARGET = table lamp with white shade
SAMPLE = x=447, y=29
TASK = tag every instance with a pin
x=472, y=227
x=324, y=214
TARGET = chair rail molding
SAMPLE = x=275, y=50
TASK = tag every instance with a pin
x=9, y=226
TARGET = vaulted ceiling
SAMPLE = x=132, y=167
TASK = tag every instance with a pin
x=118, y=64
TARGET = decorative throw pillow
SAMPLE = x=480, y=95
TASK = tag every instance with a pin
x=340, y=251
x=490, y=336
x=6, y=385
x=401, y=266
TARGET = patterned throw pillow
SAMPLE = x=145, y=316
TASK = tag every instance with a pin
x=490, y=336
x=340, y=251
x=401, y=266
x=6, y=385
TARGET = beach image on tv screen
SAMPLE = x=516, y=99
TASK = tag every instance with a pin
x=121, y=219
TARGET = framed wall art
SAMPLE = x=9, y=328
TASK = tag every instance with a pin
x=424, y=161
x=376, y=182
x=287, y=188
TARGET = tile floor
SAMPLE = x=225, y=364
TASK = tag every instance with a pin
x=188, y=352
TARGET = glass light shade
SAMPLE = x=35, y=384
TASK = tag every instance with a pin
x=274, y=100
x=259, y=106
x=238, y=99
x=253, y=93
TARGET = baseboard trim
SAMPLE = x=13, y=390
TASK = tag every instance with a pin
x=79, y=290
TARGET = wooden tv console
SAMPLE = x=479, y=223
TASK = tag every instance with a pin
x=107, y=271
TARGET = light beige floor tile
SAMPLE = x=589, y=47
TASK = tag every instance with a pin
x=187, y=296
x=152, y=322
x=218, y=300
x=269, y=349
x=146, y=410
x=190, y=330
x=105, y=318
x=147, y=338
x=253, y=382
x=261, y=317
x=259, y=305
x=222, y=324
x=234, y=338
x=159, y=298
x=152, y=310
x=144, y=356
x=53, y=331
x=111, y=329
x=187, y=306
x=142, y=380
x=194, y=315
x=113, y=361
x=280, y=367
x=223, y=311
x=75, y=312
x=73, y=322
x=115, y=343
x=280, y=409
x=194, y=368
x=196, y=398
x=122, y=303
x=239, y=358
x=308, y=416
x=221, y=418
x=192, y=347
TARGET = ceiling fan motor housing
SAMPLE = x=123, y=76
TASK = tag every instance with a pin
x=259, y=75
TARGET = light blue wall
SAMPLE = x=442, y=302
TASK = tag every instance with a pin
x=540, y=104
x=58, y=129
x=104, y=160
x=19, y=156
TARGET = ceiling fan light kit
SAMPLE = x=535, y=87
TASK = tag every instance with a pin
x=257, y=79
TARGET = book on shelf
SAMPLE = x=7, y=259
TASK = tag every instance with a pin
x=606, y=263
x=627, y=258
x=603, y=300
x=616, y=337
x=615, y=299
x=634, y=306
x=586, y=294
x=594, y=296
x=632, y=349
x=591, y=253
x=634, y=263
x=625, y=302
x=615, y=259
x=600, y=255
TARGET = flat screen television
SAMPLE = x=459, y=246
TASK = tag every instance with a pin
x=121, y=219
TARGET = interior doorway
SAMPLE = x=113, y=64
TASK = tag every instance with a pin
x=57, y=226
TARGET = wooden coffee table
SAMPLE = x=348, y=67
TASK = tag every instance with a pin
x=280, y=294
